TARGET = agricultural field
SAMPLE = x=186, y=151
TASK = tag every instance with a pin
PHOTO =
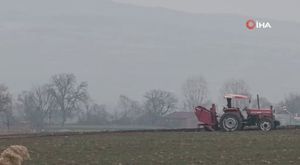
x=245, y=147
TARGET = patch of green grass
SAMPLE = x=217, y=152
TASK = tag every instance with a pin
x=246, y=147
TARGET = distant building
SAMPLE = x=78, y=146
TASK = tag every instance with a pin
x=181, y=120
x=297, y=117
x=285, y=117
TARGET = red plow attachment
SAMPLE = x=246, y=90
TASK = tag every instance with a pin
x=207, y=118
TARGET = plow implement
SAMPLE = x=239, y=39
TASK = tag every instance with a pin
x=207, y=118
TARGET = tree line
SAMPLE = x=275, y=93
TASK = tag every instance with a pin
x=63, y=98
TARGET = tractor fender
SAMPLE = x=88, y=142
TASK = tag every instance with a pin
x=261, y=117
x=236, y=113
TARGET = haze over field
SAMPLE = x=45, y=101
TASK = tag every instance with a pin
x=127, y=49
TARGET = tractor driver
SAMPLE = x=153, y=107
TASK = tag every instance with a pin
x=228, y=102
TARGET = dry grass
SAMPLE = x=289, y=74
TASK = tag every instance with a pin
x=249, y=147
x=14, y=155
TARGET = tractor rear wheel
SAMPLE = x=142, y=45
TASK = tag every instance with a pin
x=230, y=122
x=266, y=124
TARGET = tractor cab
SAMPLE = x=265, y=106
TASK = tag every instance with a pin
x=237, y=98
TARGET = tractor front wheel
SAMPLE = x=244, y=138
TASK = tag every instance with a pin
x=230, y=122
x=266, y=124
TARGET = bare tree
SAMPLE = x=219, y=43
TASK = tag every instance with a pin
x=5, y=98
x=235, y=86
x=6, y=105
x=68, y=94
x=158, y=103
x=95, y=114
x=292, y=103
x=195, y=92
x=263, y=103
x=38, y=104
x=129, y=110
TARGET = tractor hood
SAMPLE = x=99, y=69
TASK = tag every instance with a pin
x=259, y=111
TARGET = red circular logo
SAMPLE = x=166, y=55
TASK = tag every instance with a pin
x=250, y=24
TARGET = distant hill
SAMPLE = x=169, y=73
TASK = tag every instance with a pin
x=126, y=49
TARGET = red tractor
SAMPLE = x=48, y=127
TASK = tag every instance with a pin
x=235, y=118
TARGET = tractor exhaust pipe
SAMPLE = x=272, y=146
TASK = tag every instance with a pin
x=258, y=105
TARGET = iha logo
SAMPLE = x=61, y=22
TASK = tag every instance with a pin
x=251, y=25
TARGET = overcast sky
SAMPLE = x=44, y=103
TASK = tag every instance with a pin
x=276, y=9
x=126, y=49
